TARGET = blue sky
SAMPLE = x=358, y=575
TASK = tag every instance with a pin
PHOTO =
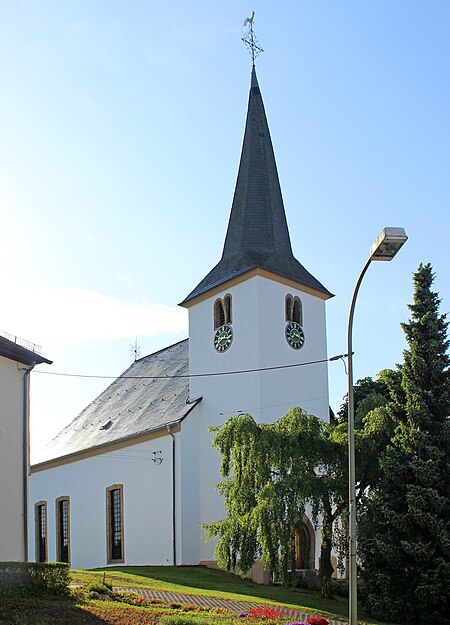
x=120, y=134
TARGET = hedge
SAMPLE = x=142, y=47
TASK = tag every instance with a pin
x=34, y=578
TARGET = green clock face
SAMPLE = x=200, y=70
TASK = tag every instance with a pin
x=294, y=335
x=223, y=338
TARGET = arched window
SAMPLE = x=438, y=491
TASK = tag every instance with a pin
x=294, y=311
x=114, y=523
x=222, y=311
x=40, y=516
x=63, y=529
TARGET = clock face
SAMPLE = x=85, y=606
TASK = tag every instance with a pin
x=294, y=335
x=223, y=338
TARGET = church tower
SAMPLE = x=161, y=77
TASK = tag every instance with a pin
x=255, y=316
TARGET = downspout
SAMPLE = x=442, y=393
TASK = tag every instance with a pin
x=25, y=458
x=174, y=527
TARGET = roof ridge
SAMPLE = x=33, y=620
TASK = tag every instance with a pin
x=163, y=349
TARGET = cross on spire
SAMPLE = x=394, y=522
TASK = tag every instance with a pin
x=250, y=40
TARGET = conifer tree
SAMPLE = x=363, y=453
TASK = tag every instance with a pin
x=404, y=538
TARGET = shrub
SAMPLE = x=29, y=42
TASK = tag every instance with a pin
x=341, y=589
x=106, y=583
x=33, y=579
x=99, y=588
x=100, y=596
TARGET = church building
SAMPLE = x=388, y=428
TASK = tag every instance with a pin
x=132, y=478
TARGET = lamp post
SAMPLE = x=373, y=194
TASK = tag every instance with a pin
x=385, y=247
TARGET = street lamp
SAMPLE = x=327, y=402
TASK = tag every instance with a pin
x=385, y=247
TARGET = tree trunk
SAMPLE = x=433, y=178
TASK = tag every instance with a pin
x=325, y=566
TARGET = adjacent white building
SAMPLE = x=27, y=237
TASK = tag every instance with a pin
x=132, y=478
x=17, y=359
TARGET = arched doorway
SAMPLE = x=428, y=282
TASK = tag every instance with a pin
x=304, y=545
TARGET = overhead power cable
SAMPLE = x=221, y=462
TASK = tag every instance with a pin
x=190, y=375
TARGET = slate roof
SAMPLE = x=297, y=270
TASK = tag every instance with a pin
x=141, y=400
x=257, y=234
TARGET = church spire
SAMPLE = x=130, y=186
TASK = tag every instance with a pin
x=257, y=235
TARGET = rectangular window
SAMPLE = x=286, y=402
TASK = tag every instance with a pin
x=62, y=529
x=114, y=520
x=41, y=531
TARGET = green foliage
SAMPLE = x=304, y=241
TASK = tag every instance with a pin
x=425, y=376
x=270, y=474
x=99, y=588
x=405, y=529
x=367, y=394
x=272, y=471
x=34, y=579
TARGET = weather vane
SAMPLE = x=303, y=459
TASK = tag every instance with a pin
x=250, y=40
x=135, y=350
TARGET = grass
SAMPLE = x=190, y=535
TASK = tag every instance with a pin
x=95, y=604
x=84, y=610
x=196, y=580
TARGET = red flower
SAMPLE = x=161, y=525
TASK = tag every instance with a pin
x=317, y=620
x=267, y=613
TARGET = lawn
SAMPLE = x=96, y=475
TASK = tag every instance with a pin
x=196, y=580
x=91, y=603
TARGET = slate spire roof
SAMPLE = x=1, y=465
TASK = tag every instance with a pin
x=257, y=234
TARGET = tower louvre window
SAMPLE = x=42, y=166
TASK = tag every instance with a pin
x=294, y=309
x=222, y=311
x=227, y=305
x=289, y=307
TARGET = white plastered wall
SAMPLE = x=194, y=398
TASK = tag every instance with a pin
x=147, y=500
x=258, y=313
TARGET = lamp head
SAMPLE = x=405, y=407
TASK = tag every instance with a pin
x=388, y=243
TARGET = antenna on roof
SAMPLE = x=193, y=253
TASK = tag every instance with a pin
x=250, y=40
x=135, y=350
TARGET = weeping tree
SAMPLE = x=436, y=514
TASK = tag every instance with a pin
x=271, y=472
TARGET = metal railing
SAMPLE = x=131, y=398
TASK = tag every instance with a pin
x=22, y=342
